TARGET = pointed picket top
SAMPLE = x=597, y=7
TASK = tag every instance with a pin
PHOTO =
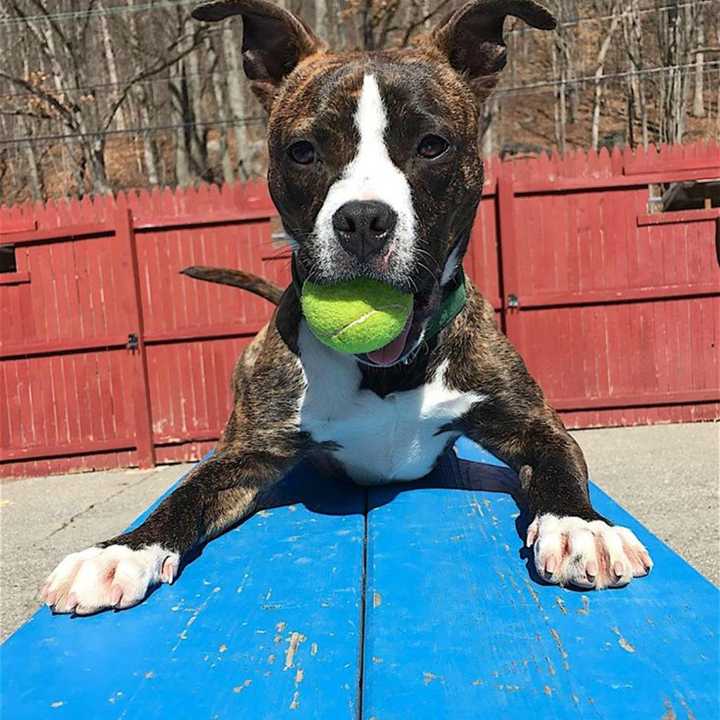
x=548, y=165
x=37, y=209
x=492, y=171
x=66, y=211
x=84, y=211
x=213, y=192
x=234, y=195
x=616, y=160
x=109, y=203
x=227, y=195
x=157, y=202
x=121, y=200
x=578, y=163
x=140, y=201
x=601, y=162
x=14, y=216
x=167, y=202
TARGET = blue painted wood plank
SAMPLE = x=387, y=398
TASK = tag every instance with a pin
x=264, y=624
x=457, y=628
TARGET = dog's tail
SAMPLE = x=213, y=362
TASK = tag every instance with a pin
x=237, y=278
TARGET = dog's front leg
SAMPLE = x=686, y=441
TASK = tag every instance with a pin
x=572, y=543
x=118, y=573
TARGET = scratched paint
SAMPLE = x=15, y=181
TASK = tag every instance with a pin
x=507, y=643
x=212, y=645
x=293, y=643
x=460, y=624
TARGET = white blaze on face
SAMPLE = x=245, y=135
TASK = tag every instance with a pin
x=371, y=175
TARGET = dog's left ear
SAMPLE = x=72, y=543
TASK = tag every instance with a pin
x=472, y=38
x=274, y=41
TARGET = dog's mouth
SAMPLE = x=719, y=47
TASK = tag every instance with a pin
x=405, y=347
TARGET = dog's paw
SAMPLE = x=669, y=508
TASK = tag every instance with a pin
x=111, y=577
x=572, y=551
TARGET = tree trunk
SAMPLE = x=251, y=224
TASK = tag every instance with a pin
x=487, y=126
x=111, y=64
x=219, y=95
x=321, y=18
x=599, y=67
x=699, y=96
x=142, y=95
x=197, y=134
x=236, y=98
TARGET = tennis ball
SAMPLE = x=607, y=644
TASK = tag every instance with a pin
x=358, y=316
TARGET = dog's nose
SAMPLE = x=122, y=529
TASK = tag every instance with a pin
x=364, y=227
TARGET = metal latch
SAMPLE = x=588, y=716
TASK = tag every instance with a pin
x=132, y=342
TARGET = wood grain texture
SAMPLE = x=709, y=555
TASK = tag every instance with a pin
x=265, y=624
x=460, y=627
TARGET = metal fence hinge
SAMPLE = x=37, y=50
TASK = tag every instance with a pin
x=513, y=302
x=132, y=341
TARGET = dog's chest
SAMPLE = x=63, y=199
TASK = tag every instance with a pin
x=398, y=437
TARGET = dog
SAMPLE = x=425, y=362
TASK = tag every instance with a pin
x=375, y=170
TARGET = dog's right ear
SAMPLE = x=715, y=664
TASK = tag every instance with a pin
x=274, y=41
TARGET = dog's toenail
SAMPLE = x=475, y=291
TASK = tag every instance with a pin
x=591, y=570
x=116, y=594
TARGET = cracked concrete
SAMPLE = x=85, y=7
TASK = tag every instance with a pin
x=44, y=519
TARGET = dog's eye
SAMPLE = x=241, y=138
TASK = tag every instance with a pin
x=302, y=152
x=432, y=146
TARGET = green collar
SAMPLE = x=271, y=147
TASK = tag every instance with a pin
x=449, y=308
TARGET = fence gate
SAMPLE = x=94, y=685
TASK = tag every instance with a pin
x=616, y=310
x=74, y=368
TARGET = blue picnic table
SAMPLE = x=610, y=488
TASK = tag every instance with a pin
x=388, y=603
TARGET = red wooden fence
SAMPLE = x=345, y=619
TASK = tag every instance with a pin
x=110, y=358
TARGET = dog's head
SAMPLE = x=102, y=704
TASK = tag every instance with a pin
x=374, y=160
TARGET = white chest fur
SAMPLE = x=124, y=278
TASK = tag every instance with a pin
x=382, y=439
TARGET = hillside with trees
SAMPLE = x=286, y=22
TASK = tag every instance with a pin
x=102, y=95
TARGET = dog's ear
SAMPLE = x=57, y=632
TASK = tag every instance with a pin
x=274, y=41
x=472, y=38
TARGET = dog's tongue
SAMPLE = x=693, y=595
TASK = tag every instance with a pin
x=391, y=352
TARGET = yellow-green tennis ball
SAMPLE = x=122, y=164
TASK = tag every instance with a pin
x=358, y=316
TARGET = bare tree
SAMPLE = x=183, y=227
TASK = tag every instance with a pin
x=564, y=70
x=613, y=11
x=83, y=115
x=677, y=32
x=98, y=95
x=236, y=99
x=699, y=86
x=637, y=105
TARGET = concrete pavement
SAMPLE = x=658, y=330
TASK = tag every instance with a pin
x=44, y=519
x=666, y=475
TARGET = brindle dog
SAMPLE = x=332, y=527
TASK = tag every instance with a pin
x=375, y=170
